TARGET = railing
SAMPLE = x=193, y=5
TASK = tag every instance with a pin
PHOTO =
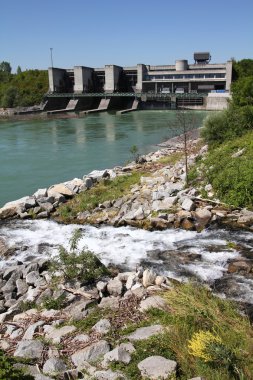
x=148, y=95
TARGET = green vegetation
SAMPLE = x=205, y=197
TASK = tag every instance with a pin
x=8, y=371
x=78, y=265
x=106, y=190
x=25, y=88
x=228, y=165
x=206, y=336
x=54, y=303
x=230, y=175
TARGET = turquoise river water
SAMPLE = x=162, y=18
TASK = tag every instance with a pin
x=38, y=153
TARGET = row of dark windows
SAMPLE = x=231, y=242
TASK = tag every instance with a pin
x=183, y=76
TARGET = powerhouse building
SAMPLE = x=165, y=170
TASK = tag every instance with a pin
x=183, y=77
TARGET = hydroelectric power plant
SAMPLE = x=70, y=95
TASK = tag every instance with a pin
x=201, y=85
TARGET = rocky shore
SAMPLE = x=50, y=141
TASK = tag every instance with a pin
x=161, y=199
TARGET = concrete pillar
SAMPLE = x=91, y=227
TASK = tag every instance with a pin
x=83, y=79
x=112, y=75
x=228, y=75
x=189, y=87
x=140, y=76
x=56, y=78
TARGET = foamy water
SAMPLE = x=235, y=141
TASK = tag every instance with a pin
x=124, y=246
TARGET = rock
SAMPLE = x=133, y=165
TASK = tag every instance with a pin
x=157, y=367
x=145, y=332
x=4, y=249
x=56, y=334
x=42, y=377
x=131, y=281
x=53, y=366
x=90, y=353
x=32, y=278
x=165, y=204
x=81, y=338
x=115, y=287
x=109, y=303
x=102, y=327
x=4, y=345
x=26, y=315
x=40, y=193
x=118, y=354
x=47, y=207
x=246, y=217
x=101, y=286
x=28, y=369
x=153, y=302
x=108, y=375
x=12, y=208
x=78, y=310
x=60, y=188
x=203, y=216
x=187, y=225
x=240, y=266
x=87, y=182
x=21, y=287
x=159, y=223
x=30, y=203
x=31, y=330
x=148, y=278
x=188, y=204
x=30, y=349
x=160, y=280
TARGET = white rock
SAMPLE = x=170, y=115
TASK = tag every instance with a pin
x=149, y=277
x=153, y=302
x=102, y=327
x=188, y=204
x=53, y=366
x=157, y=367
x=90, y=353
x=145, y=332
x=30, y=349
x=56, y=334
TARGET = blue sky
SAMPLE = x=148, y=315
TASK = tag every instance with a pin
x=98, y=32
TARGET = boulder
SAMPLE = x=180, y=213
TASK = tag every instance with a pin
x=90, y=353
x=157, y=367
x=165, y=204
x=13, y=208
x=40, y=193
x=109, y=303
x=102, y=327
x=118, y=354
x=31, y=330
x=153, y=302
x=240, y=266
x=149, y=277
x=29, y=349
x=115, y=287
x=108, y=375
x=60, y=188
x=145, y=332
x=57, y=333
x=188, y=204
x=53, y=366
x=202, y=216
x=32, y=278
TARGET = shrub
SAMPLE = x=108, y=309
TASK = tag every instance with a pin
x=83, y=266
x=227, y=125
x=8, y=372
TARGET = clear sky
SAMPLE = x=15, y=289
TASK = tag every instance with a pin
x=98, y=32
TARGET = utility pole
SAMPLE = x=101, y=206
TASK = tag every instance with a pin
x=51, y=50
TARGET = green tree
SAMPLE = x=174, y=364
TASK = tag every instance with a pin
x=19, y=71
x=242, y=91
x=9, y=97
x=5, y=66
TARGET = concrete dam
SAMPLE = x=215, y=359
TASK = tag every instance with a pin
x=200, y=85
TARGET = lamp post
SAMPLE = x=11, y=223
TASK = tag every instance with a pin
x=51, y=50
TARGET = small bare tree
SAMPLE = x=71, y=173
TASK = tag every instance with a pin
x=184, y=126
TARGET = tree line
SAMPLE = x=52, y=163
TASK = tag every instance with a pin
x=24, y=88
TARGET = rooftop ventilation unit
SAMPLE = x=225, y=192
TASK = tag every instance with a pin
x=202, y=58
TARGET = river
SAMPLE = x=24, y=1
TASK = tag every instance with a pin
x=38, y=153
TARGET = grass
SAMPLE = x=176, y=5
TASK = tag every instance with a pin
x=193, y=309
x=172, y=159
x=106, y=190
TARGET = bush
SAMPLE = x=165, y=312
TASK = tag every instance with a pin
x=75, y=265
x=232, y=177
x=227, y=125
x=8, y=372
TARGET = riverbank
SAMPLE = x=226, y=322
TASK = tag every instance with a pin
x=128, y=325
